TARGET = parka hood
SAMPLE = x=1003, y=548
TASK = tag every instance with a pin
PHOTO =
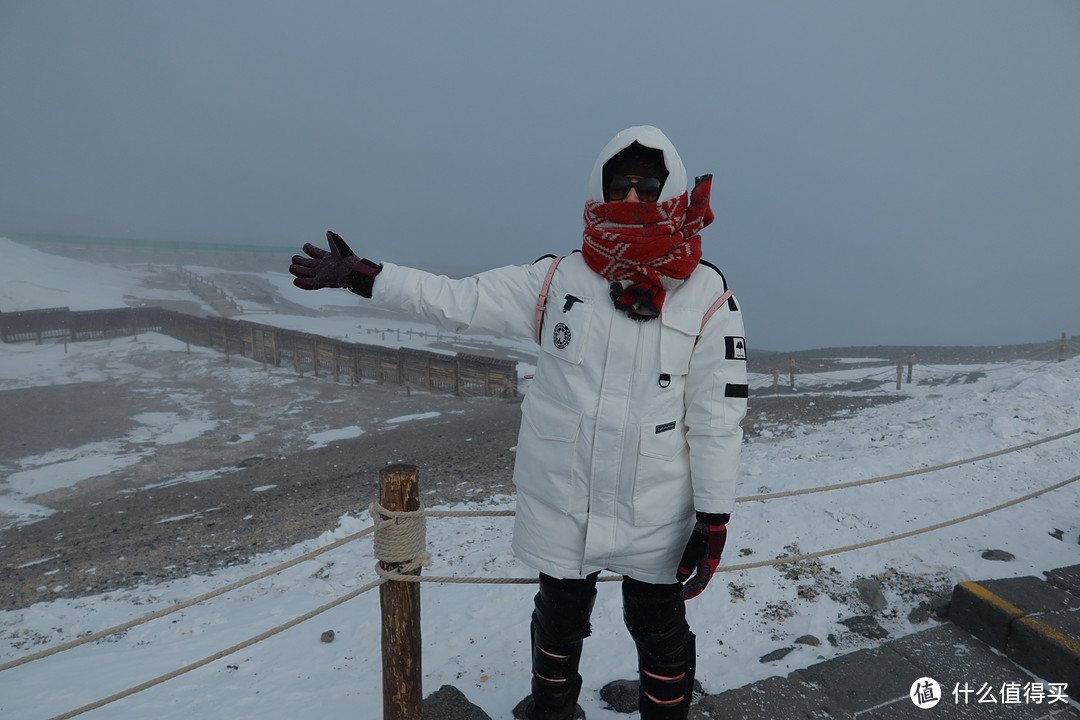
x=650, y=137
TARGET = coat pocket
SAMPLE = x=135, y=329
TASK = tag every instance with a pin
x=662, y=489
x=678, y=335
x=566, y=326
x=547, y=442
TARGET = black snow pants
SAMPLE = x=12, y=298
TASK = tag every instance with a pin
x=656, y=618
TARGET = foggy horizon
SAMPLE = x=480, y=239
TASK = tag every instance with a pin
x=900, y=174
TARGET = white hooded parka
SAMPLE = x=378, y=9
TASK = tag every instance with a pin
x=629, y=426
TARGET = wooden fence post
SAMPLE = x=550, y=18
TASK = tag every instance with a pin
x=400, y=601
x=791, y=368
x=225, y=339
x=775, y=379
x=899, y=373
x=910, y=365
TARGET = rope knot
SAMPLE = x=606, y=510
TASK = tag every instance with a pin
x=400, y=537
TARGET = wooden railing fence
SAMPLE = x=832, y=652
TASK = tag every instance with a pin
x=460, y=374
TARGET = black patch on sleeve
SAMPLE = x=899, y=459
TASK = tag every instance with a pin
x=736, y=347
x=736, y=390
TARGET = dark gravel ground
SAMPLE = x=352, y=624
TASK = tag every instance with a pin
x=108, y=534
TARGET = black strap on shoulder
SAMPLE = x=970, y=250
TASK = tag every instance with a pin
x=731, y=301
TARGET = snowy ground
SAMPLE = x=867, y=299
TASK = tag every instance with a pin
x=476, y=636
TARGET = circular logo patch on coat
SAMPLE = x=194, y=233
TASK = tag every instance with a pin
x=562, y=336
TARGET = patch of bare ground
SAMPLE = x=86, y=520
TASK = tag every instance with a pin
x=105, y=537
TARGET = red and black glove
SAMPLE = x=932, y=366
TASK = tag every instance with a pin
x=702, y=553
x=339, y=268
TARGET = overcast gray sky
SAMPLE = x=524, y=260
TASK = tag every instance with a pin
x=885, y=172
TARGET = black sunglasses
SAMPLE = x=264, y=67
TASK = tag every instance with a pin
x=648, y=188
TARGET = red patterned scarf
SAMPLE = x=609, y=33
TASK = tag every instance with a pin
x=637, y=245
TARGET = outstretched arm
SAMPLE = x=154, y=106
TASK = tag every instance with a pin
x=497, y=302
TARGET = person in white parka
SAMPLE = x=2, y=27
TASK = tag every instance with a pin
x=629, y=443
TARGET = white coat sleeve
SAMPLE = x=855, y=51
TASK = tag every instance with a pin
x=496, y=302
x=716, y=393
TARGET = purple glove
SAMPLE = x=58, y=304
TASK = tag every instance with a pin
x=702, y=553
x=339, y=268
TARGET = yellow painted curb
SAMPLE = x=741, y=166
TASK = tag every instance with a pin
x=1054, y=636
x=986, y=596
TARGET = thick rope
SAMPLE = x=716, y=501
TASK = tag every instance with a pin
x=900, y=536
x=218, y=655
x=469, y=513
x=908, y=473
x=402, y=537
x=93, y=637
x=398, y=575
x=763, y=563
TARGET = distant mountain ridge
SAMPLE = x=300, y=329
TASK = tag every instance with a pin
x=763, y=361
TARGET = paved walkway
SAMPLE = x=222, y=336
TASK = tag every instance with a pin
x=1011, y=649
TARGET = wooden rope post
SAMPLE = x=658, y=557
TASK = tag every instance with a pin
x=399, y=490
x=899, y=373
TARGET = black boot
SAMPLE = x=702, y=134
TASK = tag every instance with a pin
x=560, y=624
x=656, y=618
x=526, y=710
